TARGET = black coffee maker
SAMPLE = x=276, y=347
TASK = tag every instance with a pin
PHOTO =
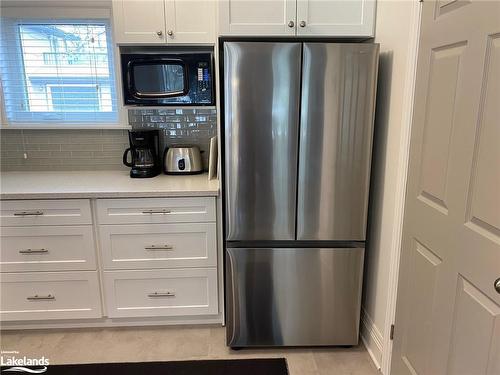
x=144, y=150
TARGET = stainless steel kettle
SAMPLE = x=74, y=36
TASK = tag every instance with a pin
x=182, y=160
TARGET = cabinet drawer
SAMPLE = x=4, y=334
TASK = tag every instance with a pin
x=158, y=245
x=45, y=212
x=155, y=210
x=161, y=292
x=50, y=295
x=53, y=248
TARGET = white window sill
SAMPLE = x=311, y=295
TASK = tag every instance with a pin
x=42, y=126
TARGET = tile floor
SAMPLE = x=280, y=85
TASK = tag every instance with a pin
x=175, y=343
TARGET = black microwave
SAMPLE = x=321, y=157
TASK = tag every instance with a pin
x=155, y=76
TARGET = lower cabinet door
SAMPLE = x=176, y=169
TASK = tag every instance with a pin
x=175, y=292
x=50, y=295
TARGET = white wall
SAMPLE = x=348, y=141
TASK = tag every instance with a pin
x=394, y=33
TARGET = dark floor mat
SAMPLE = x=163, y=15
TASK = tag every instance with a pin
x=263, y=366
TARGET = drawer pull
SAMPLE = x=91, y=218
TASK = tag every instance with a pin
x=36, y=297
x=161, y=294
x=156, y=212
x=34, y=251
x=28, y=213
x=159, y=247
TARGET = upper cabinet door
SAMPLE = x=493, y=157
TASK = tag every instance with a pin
x=336, y=17
x=139, y=21
x=257, y=17
x=190, y=21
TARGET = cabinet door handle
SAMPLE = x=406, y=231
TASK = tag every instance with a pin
x=291, y=24
x=36, y=297
x=159, y=247
x=156, y=212
x=170, y=32
x=161, y=294
x=159, y=33
x=34, y=251
x=302, y=24
x=28, y=213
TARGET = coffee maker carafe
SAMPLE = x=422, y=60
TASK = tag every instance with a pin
x=144, y=150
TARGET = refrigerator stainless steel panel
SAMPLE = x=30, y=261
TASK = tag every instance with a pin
x=336, y=126
x=262, y=97
x=293, y=297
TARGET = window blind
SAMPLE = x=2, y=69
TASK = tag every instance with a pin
x=58, y=71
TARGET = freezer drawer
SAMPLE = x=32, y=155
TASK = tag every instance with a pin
x=336, y=126
x=261, y=122
x=293, y=297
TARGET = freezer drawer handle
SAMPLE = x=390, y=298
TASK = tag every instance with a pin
x=34, y=251
x=161, y=294
x=159, y=247
x=156, y=212
x=29, y=213
x=36, y=297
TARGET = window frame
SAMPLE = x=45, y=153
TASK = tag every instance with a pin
x=44, y=14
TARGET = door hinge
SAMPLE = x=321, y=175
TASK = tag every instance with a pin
x=391, y=335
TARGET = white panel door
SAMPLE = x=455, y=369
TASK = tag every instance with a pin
x=139, y=21
x=448, y=307
x=336, y=17
x=190, y=21
x=257, y=17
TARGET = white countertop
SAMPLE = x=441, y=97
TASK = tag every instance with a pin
x=101, y=184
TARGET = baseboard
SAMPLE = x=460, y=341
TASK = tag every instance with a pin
x=372, y=338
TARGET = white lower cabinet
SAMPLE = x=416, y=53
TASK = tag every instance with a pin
x=50, y=295
x=147, y=293
x=158, y=245
x=158, y=258
x=47, y=248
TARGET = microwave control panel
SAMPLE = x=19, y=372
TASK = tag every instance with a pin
x=203, y=76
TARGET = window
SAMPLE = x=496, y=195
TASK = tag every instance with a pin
x=58, y=71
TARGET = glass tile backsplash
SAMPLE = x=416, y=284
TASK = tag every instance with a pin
x=89, y=149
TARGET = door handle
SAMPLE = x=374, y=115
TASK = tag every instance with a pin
x=291, y=24
x=161, y=294
x=302, y=24
x=28, y=213
x=497, y=285
x=159, y=247
x=36, y=297
x=33, y=251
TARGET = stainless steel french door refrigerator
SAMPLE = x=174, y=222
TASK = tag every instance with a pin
x=298, y=123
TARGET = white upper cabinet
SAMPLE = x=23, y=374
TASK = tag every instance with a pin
x=297, y=17
x=335, y=17
x=139, y=21
x=164, y=21
x=190, y=21
x=257, y=17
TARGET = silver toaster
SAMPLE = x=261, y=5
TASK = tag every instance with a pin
x=182, y=160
